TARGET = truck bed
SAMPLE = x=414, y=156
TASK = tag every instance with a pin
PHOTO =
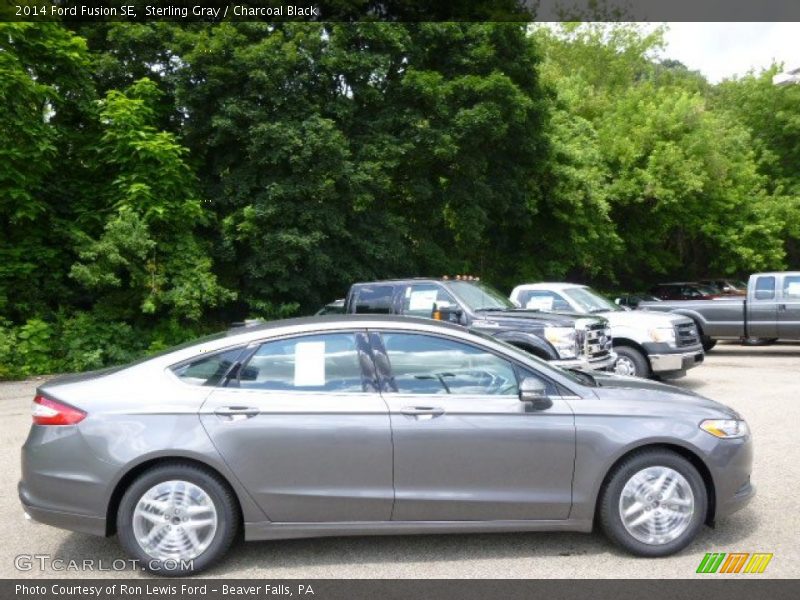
x=722, y=318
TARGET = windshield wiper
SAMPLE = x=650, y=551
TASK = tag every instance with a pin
x=598, y=310
x=491, y=308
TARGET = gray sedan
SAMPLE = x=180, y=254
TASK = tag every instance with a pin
x=352, y=425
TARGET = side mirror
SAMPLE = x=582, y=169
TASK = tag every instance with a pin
x=449, y=314
x=533, y=390
x=618, y=301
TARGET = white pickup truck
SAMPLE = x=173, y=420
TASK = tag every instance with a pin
x=648, y=344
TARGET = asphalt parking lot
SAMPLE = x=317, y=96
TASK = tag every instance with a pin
x=763, y=383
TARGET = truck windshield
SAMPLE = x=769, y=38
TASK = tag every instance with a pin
x=479, y=296
x=590, y=301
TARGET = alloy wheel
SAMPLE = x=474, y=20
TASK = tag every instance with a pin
x=175, y=520
x=656, y=505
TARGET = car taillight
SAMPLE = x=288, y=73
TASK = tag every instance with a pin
x=50, y=412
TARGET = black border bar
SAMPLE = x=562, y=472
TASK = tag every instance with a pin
x=745, y=587
x=401, y=10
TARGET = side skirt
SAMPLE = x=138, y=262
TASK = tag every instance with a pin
x=265, y=530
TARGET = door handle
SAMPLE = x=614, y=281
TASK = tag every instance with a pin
x=422, y=413
x=781, y=307
x=236, y=413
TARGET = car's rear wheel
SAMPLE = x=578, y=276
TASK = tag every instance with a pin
x=630, y=362
x=653, y=504
x=177, y=519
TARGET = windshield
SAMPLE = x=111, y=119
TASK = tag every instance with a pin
x=479, y=296
x=590, y=301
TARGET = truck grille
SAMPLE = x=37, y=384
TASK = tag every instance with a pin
x=596, y=341
x=686, y=334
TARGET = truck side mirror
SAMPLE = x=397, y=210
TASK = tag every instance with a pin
x=448, y=314
x=534, y=390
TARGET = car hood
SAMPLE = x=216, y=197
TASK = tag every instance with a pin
x=618, y=387
x=642, y=318
x=523, y=317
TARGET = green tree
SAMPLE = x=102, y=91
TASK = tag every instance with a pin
x=150, y=255
x=45, y=90
x=341, y=152
x=678, y=183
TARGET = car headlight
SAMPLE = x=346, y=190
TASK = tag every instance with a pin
x=563, y=340
x=725, y=428
x=662, y=334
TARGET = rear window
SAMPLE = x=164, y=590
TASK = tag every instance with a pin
x=373, y=299
x=765, y=288
x=208, y=370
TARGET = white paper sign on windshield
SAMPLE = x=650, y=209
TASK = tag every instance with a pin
x=309, y=364
x=540, y=303
x=422, y=300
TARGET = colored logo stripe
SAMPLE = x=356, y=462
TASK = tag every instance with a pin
x=734, y=562
x=758, y=563
x=711, y=562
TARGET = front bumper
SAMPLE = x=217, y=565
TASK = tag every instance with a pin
x=665, y=358
x=603, y=363
x=731, y=465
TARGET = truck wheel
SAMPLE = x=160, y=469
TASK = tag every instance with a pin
x=631, y=362
x=708, y=343
x=653, y=504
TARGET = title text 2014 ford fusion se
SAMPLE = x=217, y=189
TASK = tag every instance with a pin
x=373, y=425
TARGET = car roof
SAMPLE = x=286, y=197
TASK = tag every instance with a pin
x=329, y=320
x=549, y=286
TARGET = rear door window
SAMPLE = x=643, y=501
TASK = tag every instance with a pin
x=373, y=299
x=325, y=363
x=765, y=288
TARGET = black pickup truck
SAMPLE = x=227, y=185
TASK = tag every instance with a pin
x=569, y=340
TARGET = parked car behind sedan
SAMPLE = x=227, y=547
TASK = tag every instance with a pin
x=726, y=287
x=632, y=300
x=684, y=291
x=372, y=425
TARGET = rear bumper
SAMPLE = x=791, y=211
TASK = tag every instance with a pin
x=604, y=363
x=63, y=520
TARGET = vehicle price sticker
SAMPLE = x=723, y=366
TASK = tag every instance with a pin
x=422, y=300
x=540, y=303
x=309, y=364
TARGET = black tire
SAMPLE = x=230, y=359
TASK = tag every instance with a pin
x=224, y=501
x=608, y=507
x=634, y=357
x=708, y=343
x=757, y=341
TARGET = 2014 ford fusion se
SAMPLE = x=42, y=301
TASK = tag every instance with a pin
x=351, y=425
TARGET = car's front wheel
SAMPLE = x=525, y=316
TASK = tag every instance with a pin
x=653, y=504
x=177, y=519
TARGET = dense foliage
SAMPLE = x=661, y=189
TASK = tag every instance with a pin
x=159, y=180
